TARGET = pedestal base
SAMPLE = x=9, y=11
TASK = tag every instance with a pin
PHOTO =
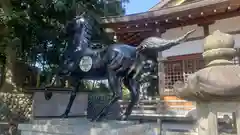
x=207, y=116
x=82, y=126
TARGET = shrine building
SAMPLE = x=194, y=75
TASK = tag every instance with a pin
x=170, y=19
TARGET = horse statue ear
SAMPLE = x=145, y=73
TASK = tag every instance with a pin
x=79, y=17
x=69, y=28
x=72, y=25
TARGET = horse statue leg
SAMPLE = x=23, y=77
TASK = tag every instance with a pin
x=71, y=99
x=56, y=78
x=115, y=87
x=48, y=94
x=132, y=86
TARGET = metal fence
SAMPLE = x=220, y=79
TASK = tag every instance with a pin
x=179, y=70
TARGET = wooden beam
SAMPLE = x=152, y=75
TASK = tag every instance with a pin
x=233, y=2
x=189, y=21
x=204, y=19
x=136, y=41
x=132, y=37
x=152, y=16
x=179, y=23
x=140, y=27
x=200, y=20
x=184, y=57
x=164, y=12
x=123, y=31
x=206, y=23
x=127, y=35
x=221, y=6
x=143, y=35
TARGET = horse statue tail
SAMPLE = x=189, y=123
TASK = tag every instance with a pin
x=162, y=44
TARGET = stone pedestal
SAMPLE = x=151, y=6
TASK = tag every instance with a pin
x=85, y=104
x=81, y=126
x=56, y=106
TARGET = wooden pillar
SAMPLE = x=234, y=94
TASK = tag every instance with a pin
x=205, y=27
x=161, y=74
x=238, y=55
x=234, y=118
x=237, y=117
x=206, y=30
x=234, y=114
x=160, y=59
x=158, y=31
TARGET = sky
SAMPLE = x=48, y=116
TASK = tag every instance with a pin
x=138, y=6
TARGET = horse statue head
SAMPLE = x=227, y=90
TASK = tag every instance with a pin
x=79, y=33
x=75, y=25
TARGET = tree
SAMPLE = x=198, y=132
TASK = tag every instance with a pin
x=33, y=32
x=38, y=26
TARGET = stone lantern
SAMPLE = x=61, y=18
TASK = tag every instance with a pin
x=215, y=88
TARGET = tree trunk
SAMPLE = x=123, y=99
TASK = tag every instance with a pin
x=15, y=105
x=8, y=82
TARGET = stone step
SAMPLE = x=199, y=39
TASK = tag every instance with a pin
x=36, y=129
x=84, y=122
x=56, y=129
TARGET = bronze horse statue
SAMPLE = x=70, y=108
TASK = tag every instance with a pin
x=118, y=63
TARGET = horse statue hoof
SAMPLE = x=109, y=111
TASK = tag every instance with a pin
x=123, y=117
x=64, y=116
x=48, y=95
x=95, y=119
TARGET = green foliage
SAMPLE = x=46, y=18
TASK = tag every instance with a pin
x=95, y=86
x=101, y=87
x=40, y=25
x=126, y=93
x=148, y=78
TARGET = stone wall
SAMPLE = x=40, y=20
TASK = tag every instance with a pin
x=14, y=109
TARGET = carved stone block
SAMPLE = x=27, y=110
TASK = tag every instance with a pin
x=57, y=105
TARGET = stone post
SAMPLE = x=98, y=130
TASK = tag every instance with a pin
x=215, y=87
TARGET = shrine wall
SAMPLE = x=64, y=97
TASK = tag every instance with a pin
x=178, y=70
x=226, y=25
x=229, y=25
x=195, y=45
x=190, y=47
x=177, y=32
